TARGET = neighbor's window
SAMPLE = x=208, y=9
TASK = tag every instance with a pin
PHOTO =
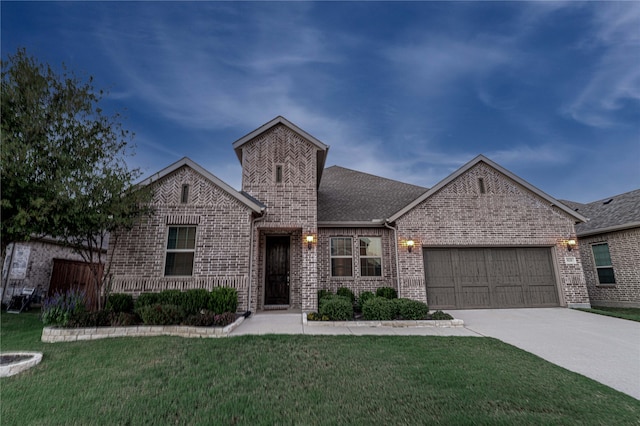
x=370, y=256
x=341, y=257
x=181, y=247
x=602, y=259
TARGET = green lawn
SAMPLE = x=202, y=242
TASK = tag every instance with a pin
x=632, y=314
x=384, y=380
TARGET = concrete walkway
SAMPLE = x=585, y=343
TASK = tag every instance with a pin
x=602, y=348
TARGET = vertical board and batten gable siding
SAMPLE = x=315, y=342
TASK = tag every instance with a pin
x=291, y=205
x=624, y=247
x=356, y=283
x=506, y=215
x=222, y=239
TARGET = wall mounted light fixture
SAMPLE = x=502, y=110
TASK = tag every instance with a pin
x=410, y=244
x=309, y=241
x=571, y=243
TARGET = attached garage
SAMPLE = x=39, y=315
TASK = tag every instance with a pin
x=509, y=277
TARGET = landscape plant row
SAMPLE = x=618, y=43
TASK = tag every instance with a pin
x=197, y=307
x=383, y=305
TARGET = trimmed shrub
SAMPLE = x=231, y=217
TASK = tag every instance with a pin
x=364, y=296
x=118, y=302
x=90, y=319
x=146, y=299
x=161, y=314
x=324, y=293
x=224, y=319
x=387, y=293
x=196, y=300
x=439, y=315
x=379, y=308
x=408, y=309
x=346, y=292
x=60, y=308
x=314, y=316
x=336, y=308
x=223, y=299
x=123, y=319
x=202, y=319
x=171, y=297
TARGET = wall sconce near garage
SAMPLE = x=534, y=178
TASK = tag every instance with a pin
x=309, y=241
x=410, y=244
x=571, y=243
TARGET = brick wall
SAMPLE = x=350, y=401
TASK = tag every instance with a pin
x=624, y=247
x=507, y=214
x=356, y=283
x=291, y=206
x=222, y=239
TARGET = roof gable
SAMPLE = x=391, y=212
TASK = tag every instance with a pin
x=322, y=149
x=250, y=202
x=481, y=158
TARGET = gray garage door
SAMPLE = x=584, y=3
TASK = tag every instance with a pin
x=490, y=278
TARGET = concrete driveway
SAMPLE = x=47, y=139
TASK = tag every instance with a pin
x=602, y=348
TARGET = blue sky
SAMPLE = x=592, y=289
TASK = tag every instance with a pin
x=409, y=91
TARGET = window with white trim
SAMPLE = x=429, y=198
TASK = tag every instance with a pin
x=341, y=257
x=370, y=256
x=181, y=248
x=602, y=259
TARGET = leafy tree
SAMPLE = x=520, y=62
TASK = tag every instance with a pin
x=63, y=162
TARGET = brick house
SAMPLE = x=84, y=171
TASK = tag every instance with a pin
x=610, y=242
x=480, y=238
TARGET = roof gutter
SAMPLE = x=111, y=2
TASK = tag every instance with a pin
x=395, y=238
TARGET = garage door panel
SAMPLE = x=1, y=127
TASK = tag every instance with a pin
x=490, y=277
x=475, y=297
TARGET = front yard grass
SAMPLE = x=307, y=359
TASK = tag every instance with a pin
x=296, y=380
x=632, y=314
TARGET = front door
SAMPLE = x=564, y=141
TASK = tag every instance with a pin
x=277, y=271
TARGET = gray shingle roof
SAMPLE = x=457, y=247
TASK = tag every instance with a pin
x=616, y=212
x=349, y=196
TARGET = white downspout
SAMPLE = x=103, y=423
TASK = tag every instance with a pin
x=395, y=238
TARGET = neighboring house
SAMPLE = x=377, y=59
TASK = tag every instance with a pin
x=45, y=264
x=610, y=242
x=481, y=238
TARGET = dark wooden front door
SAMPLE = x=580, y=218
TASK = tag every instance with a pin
x=277, y=271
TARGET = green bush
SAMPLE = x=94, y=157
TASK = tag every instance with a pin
x=439, y=315
x=123, y=319
x=336, y=308
x=61, y=308
x=223, y=299
x=379, y=308
x=118, y=302
x=408, y=309
x=171, y=297
x=90, y=319
x=324, y=293
x=196, y=300
x=161, y=314
x=387, y=292
x=224, y=319
x=364, y=296
x=146, y=299
x=346, y=292
x=201, y=319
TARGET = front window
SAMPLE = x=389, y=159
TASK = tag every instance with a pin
x=181, y=247
x=602, y=259
x=341, y=257
x=370, y=257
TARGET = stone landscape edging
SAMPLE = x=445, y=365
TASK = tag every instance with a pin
x=398, y=323
x=18, y=367
x=57, y=334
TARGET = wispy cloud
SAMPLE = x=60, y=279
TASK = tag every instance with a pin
x=615, y=80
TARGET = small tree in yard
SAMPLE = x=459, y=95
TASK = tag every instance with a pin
x=63, y=165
